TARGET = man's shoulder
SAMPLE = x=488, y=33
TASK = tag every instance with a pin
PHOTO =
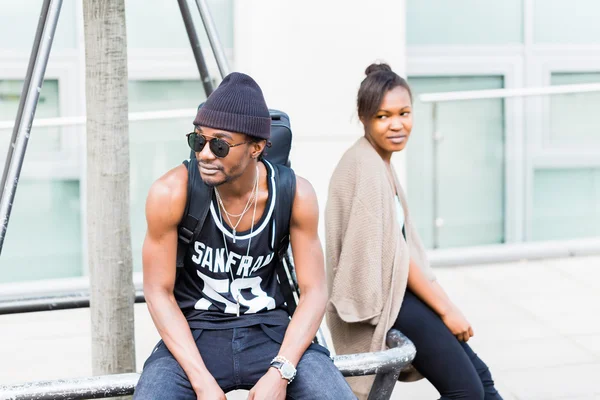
x=286, y=180
x=304, y=189
x=168, y=194
x=173, y=182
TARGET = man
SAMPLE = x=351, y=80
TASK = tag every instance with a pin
x=222, y=318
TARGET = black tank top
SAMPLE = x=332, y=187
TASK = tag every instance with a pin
x=219, y=273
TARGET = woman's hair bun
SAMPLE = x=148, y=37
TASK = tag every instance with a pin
x=377, y=67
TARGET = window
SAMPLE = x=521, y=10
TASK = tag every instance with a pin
x=43, y=141
x=573, y=117
x=566, y=22
x=43, y=239
x=464, y=22
x=566, y=204
x=162, y=26
x=19, y=19
x=470, y=164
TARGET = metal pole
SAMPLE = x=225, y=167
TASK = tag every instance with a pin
x=49, y=303
x=34, y=51
x=94, y=387
x=435, y=139
x=23, y=126
x=213, y=37
x=196, y=48
x=385, y=364
x=385, y=381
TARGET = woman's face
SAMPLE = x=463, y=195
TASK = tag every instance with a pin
x=389, y=129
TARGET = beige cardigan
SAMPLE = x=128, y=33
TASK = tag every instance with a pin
x=367, y=256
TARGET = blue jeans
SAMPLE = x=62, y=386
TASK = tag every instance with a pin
x=450, y=365
x=237, y=358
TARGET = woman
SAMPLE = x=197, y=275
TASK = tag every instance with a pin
x=379, y=277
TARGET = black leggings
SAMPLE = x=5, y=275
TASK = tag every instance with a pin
x=449, y=364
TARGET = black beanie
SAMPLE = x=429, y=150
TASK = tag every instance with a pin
x=237, y=105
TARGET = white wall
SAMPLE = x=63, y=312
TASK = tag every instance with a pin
x=309, y=58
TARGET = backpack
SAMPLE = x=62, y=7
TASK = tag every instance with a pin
x=199, y=196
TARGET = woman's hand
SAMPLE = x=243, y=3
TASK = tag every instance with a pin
x=458, y=324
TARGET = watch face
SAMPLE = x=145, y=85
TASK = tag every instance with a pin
x=288, y=371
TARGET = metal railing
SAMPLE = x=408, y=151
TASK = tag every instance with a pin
x=52, y=302
x=385, y=365
x=133, y=117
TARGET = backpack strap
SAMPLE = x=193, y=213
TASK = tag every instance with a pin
x=196, y=209
x=285, y=180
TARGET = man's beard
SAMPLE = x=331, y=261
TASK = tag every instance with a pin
x=226, y=179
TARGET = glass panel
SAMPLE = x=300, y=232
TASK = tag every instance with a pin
x=43, y=239
x=156, y=146
x=470, y=164
x=19, y=19
x=143, y=18
x=566, y=22
x=42, y=140
x=566, y=204
x=573, y=117
x=464, y=22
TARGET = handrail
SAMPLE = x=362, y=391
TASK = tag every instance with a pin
x=94, y=387
x=400, y=354
x=425, y=98
x=377, y=363
x=81, y=120
x=53, y=302
x=510, y=92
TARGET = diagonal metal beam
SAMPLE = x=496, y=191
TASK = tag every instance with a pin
x=213, y=37
x=196, y=48
x=29, y=99
x=34, y=51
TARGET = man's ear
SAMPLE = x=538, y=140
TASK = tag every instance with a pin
x=258, y=148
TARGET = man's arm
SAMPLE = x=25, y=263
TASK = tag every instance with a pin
x=164, y=209
x=310, y=271
x=309, y=263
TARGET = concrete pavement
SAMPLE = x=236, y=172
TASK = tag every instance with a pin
x=536, y=325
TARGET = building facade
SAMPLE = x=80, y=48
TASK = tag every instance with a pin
x=508, y=170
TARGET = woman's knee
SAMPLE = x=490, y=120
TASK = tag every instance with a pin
x=485, y=375
x=475, y=390
x=471, y=390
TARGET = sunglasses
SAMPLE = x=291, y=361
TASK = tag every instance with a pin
x=219, y=147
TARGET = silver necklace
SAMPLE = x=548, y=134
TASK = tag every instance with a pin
x=237, y=298
x=246, y=208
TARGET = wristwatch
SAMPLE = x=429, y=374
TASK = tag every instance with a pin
x=286, y=369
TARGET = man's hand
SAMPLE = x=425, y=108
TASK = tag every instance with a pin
x=209, y=389
x=270, y=387
x=458, y=324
